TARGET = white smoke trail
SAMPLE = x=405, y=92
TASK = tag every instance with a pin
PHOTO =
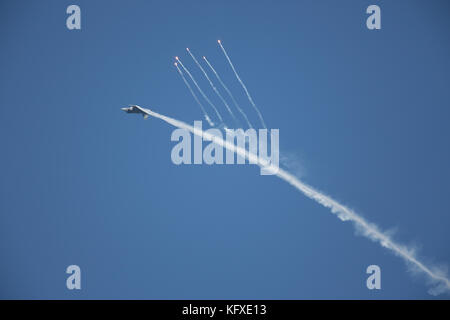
x=243, y=85
x=195, y=96
x=199, y=89
x=369, y=230
x=229, y=93
x=212, y=85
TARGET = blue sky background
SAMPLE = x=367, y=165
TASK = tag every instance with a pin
x=365, y=113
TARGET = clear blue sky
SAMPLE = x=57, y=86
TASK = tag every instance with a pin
x=364, y=112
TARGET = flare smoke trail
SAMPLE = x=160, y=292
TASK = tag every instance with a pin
x=229, y=92
x=195, y=96
x=199, y=89
x=243, y=85
x=212, y=85
x=368, y=229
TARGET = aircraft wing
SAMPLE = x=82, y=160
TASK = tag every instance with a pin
x=145, y=112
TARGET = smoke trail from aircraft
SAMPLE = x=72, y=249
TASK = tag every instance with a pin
x=243, y=85
x=195, y=96
x=201, y=91
x=368, y=229
x=229, y=93
x=212, y=85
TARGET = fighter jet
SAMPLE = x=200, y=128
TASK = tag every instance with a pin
x=136, y=109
